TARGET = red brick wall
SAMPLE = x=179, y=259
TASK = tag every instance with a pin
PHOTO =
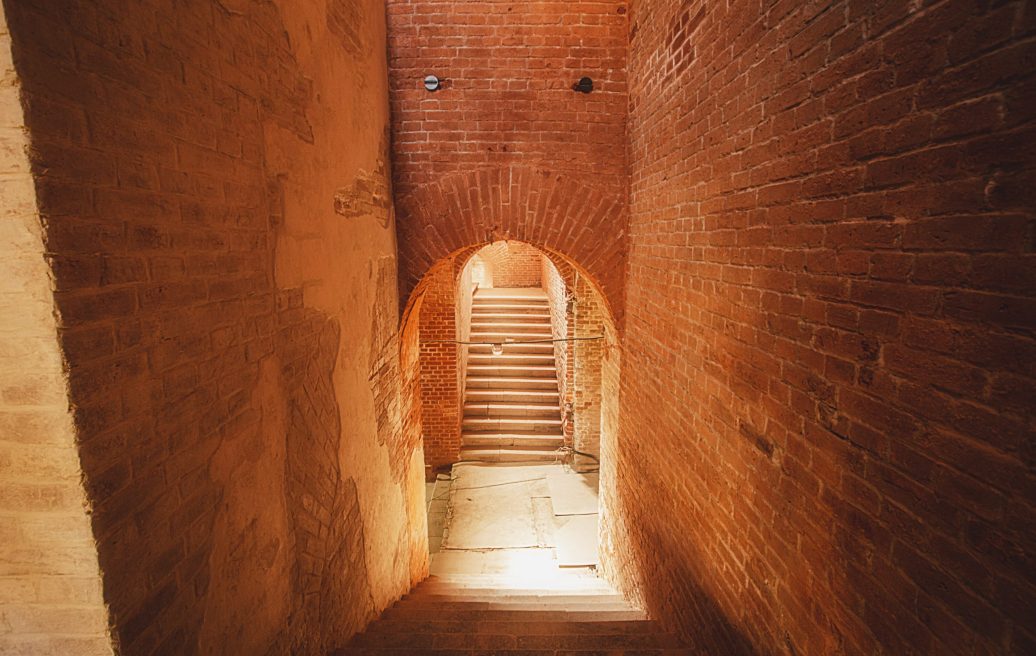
x=562, y=327
x=507, y=149
x=441, y=394
x=513, y=264
x=830, y=315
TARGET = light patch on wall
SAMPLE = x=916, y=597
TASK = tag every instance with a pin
x=368, y=195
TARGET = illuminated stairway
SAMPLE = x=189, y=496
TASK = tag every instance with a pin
x=511, y=406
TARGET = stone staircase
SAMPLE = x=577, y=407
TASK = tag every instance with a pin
x=480, y=614
x=511, y=406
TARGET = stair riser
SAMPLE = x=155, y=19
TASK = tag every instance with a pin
x=505, y=371
x=395, y=613
x=478, y=455
x=510, y=426
x=537, y=357
x=542, y=318
x=497, y=642
x=487, y=396
x=501, y=411
x=515, y=384
x=552, y=442
x=535, y=350
x=511, y=328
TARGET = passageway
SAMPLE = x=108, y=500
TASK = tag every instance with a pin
x=759, y=274
x=514, y=572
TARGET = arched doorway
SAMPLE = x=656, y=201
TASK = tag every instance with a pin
x=519, y=365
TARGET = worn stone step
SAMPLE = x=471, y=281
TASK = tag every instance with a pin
x=513, y=596
x=432, y=625
x=419, y=651
x=511, y=425
x=515, y=383
x=519, y=602
x=489, y=307
x=519, y=371
x=537, y=348
x=502, y=615
x=505, y=440
x=497, y=641
x=512, y=454
x=500, y=295
x=510, y=327
x=543, y=397
x=504, y=336
x=542, y=317
x=511, y=359
x=464, y=591
x=503, y=409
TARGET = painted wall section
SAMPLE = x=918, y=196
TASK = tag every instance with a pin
x=50, y=582
x=214, y=184
x=830, y=325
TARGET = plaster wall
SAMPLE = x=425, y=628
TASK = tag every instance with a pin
x=214, y=184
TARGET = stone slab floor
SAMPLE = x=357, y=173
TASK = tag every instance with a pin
x=500, y=522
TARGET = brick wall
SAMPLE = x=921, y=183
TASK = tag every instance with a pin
x=506, y=149
x=827, y=362
x=513, y=264
x=245, y=415
x=49, y=576
x=588, y=321
x=562, y=327
x=441, y=396
x=465, y=296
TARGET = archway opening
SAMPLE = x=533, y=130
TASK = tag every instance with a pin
x=519, y=366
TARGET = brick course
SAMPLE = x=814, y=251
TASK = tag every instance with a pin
x=827, y=314
x=506, y=149
x=211, y=192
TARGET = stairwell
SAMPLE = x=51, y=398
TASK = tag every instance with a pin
x=511, y=406
x=486, y=615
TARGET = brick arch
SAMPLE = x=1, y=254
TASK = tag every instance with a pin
x=555, y=212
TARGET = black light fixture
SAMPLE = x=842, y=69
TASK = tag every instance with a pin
x=584, y=85
x=432, y=83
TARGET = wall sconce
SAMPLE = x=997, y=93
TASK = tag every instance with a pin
x=432, y=83
x=498, y=349
x=584, y=85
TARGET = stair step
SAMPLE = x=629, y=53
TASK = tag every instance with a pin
x=535, y=348
x=501, y=410
x=511, y=317
x=521, y=371
x=487, y=307
x=537, y=359
x=511, y=294
x=463, y=591
x=512, y=424
x=433, y=625
x=511, y=383
x=491, y=641
x=503, y=337
x=484, y=454
x=512, y=596
x=504, y=440
x=496, y=615
x=512, y=396
x=478, y=325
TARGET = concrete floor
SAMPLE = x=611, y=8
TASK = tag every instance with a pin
x=500, y=522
